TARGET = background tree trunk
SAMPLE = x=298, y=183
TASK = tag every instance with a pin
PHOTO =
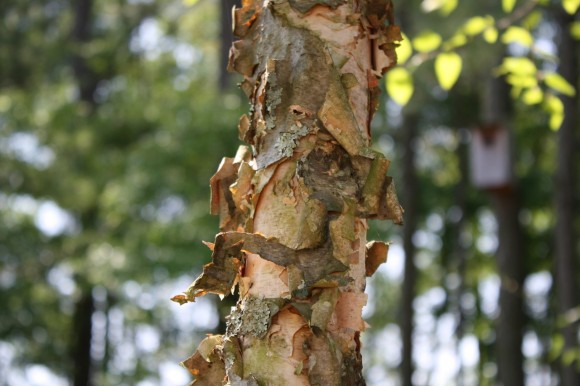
x=226, y=40
x=293, y=209
x=566, y=172
x=509, y=255
x=411, y=200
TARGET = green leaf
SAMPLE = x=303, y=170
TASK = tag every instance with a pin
x=568, y=356
x=532, y=20
x=558, y=83
x=190, y=2
x=508, y=5
x=399, y=84
x=556, y=109
x=447, y=69
x=455, y=41
x=575, y=30
x=519, y=35
x=518, y=66
x=556, y=347
x=427, y=41
x=405, y=50
x=533, y=96
x=444, y=6
x=448, y=7
x=476, y=25
x=522, y=81
x=490, y=35
x=571, y=6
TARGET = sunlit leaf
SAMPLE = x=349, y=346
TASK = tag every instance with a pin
x=533, y=96
x=476, y=25
x=522, y=81
x=558, y=83
x=444, y=6
x=405, y=50
x=399, y=84
x=190, y=2
x=556, y=347
x=490, y=35
x=571, y=6
x=518, y=66
x=508, y=5
x=448, y=7
x=575, y=30
x=455, y=41
x=556, y=109
x=532, y=20
x=518, y=35
x=427, y=41
x=447, y=69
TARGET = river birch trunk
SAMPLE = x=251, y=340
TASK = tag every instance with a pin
x=294, y=204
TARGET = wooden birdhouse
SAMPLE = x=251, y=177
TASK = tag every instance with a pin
x=491, y=157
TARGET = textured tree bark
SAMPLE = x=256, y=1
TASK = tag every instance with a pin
x=293, y=207
x=566, y=236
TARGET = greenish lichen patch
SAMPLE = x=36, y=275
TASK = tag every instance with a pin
x=287, y=142
x=252, y=316
x=323, y=308
x=374, y=185
x=304, y=6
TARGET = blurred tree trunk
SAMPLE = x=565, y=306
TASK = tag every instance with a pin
x=81, y=337
x=227, y=37
x=293, y=209
x=509, y=255
x=566, y=237
x=411, y=199
x=87, y=82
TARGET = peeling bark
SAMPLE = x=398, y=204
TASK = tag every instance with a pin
x=293, y=206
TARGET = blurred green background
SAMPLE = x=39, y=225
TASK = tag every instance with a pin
x=114, y=115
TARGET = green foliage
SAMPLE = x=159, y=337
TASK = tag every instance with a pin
x=447, y=69
x=571, y=6
x=508, y=5
x=400, y=85
x=127, y=170
x=521, y=71
x=427, y=41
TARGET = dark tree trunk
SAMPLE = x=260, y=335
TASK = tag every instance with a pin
x=81, y=33
x=82, y=335
x=511, y=269
x=410, y=195
x=87, y=83
x=227, y=38
x=566, y=274
x=510, y=255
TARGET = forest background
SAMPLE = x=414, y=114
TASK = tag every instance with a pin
x=115, y=114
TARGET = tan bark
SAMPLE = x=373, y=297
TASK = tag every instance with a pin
x=293, y=209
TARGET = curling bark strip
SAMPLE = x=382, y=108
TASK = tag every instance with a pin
x=294, y=204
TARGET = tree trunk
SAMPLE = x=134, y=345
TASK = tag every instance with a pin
x=509, y=255
x=87, y=82
x=411, y=191
x=226, y=38
x=293, y=209
x=81, y=344
x=566, y=274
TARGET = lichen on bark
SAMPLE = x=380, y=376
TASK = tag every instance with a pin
x=293, y=206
